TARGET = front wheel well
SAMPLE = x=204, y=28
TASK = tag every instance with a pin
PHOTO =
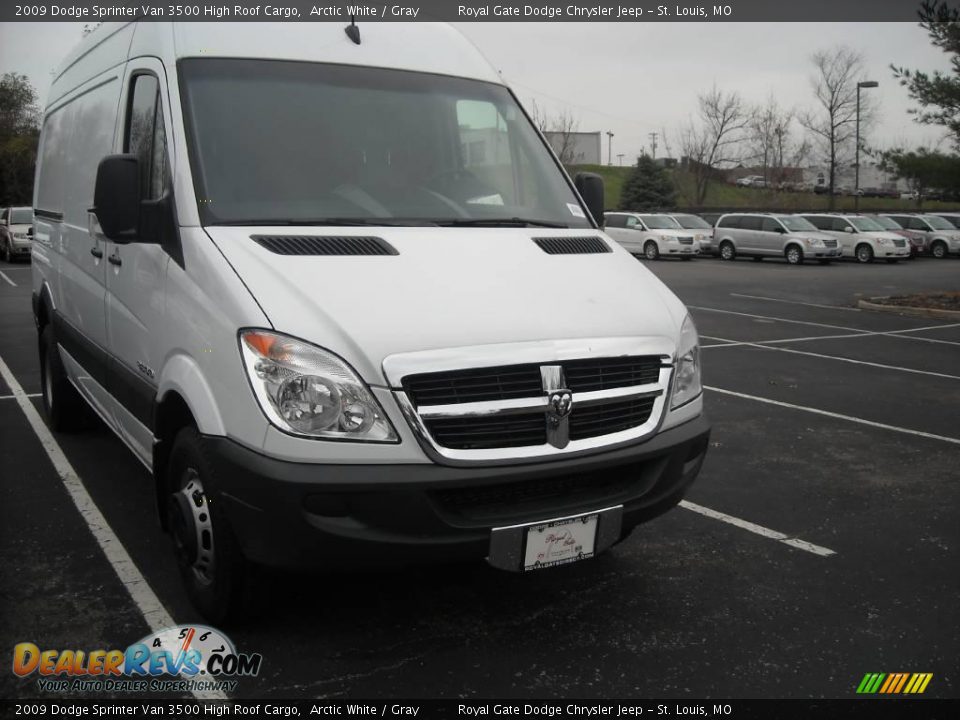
x=171, y=415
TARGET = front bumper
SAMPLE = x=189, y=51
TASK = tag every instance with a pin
x=824, y=252
x=20, y=249
x=303, y=515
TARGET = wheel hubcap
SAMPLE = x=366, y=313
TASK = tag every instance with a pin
x=192, y=526
x=793, y=256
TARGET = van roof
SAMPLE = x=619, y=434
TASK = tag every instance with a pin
x=425, y=47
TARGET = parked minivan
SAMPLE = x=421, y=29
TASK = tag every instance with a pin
x=760, y=235
x=861, y=237
x=337, y=295
x=916, y=241
x=652, y=235
x=16, y=233
x=702, y=230
x=940, y=235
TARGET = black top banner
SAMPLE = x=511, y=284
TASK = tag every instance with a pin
x=505, y=709
x=636, y=11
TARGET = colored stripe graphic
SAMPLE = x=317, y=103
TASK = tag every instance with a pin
x=894, y=683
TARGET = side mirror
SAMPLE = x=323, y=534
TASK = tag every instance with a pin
x=848, y=229
x=590, y=187
x=116, y=197
x=778, y=229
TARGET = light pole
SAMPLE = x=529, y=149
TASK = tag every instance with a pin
x=856, y=162
x=609, y=146
x=620, y=158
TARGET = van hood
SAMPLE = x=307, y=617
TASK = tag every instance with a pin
x=448, y=288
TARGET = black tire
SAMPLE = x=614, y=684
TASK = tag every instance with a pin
x=939, y=250
x=727, y=251
x=794, y=255
x=863, y=253
x=62, y=404
x=211, y=563
x=651, y=251
x=7, y=257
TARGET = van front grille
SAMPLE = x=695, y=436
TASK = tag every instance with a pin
x=517, y=381
x=830, y=243
x=900, y=242
x=686, y=241
x=594, y=420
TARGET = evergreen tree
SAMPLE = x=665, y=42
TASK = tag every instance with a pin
x=648, y=187
x=938, y=93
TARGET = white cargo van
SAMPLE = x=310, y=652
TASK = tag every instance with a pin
x=340, y=298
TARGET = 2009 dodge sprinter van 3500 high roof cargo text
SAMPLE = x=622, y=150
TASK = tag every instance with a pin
x=346, y=305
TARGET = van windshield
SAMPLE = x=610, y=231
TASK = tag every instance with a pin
x=865, y=224
x=692, y=222
x=304, y=143
x=660, y=222
x=796, y=224
x=887, y=223
x=21, y=216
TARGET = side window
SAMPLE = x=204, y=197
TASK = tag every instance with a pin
x=821, y=223
x=770, y=225
x=731, y=221
x=632, y=222
x=615, y=221
x=751, y=222
x=145, y=135
x=917, y=224
x=838, y=224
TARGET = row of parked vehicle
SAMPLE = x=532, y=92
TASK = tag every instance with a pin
x=823, y=237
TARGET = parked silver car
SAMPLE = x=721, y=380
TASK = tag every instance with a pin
x=702, y=230
x=652, y=235
x=760, y=235
x=16, y=232
x=861, y=237
x=942, y=237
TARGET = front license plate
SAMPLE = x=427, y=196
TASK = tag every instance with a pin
x=559, y=542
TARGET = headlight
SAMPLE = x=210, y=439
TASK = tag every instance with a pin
x=308, y=391
x=686, y=382
x=21, y=236
x=671, y=238
x=813, y=241
x=884, y=241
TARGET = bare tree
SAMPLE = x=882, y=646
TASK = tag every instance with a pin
x=773, y=144
x=833, y=121
x=714, y=138
x=560, y=131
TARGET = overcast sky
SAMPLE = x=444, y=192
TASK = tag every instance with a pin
x=630, y=78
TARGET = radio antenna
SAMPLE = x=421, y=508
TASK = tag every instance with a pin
x=352, y=31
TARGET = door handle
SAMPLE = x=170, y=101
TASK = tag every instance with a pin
x=96, y=252
x=115, y=260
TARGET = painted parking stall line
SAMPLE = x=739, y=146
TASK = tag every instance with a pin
x=758, y=529
x=838, y=416
x=143, y=596
x=795, y=302
x=821, y=356
x=7, y=278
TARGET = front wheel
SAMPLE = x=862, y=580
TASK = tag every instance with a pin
x=939, y=250
x=62, y=404
x=651, y=251
x=212, y=566
x=864, y=253
x=7, y=256
x=727, y=251
x=794, y=255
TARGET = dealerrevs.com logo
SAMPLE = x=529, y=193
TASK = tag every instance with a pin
x=179, y=658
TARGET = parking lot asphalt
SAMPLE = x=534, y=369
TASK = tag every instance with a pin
x=821, y=541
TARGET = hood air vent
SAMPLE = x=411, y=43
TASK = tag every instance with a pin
x=325, y=245
x=589, y=245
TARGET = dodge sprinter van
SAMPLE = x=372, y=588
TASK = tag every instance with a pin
x=335, y=292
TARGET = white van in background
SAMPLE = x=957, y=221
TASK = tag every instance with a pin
x=861, y=237
x=338, y=296
x=653, y=235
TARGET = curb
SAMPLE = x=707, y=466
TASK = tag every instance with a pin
x=912, y=311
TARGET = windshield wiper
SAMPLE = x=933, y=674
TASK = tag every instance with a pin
x=499, y=222
x=331, y=222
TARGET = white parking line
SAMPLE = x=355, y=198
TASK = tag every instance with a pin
x=4, y=276
x=26, y=395
x=147, y=602
x=796, y=302
x=860, y=331
x=758, y=529
x=828, y=357
x=838, y=416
